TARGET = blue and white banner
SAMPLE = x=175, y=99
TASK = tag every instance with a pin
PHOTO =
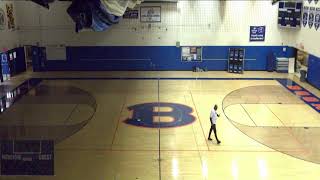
x=27, y=158
x=317, y=19
x=131, y=14
x=305, y=16
x=257, y=33
x=2, y=19
x=4, y=64
x=312, y=12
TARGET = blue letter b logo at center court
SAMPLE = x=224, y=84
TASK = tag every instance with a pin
x=160, y=115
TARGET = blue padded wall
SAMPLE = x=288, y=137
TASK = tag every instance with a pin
x=126, y=58
x=313, y=76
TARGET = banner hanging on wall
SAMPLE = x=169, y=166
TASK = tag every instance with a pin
x=312, y=12
x=316, y=1
x=317, y=19
x=305, y=16
x=309, y=1
x=131, y=14
x=2, y=19
x=257, y=33
x=11, y=23
x=150, y=14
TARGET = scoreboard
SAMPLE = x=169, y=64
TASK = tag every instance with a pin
x=289, y=14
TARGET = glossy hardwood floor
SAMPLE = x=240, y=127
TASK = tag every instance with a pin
x=110, y=149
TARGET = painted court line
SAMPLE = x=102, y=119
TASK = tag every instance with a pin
x=194, y=134
x=169, y=150
x=248, y=114
x=115, y=132
x=195, y=138
x=152, y=78
x=159, y=145
x=195, y=107
x=69, y=116
x=289, y=130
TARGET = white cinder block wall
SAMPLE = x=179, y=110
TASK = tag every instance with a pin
x=8, y=38
x=202, y=22
x=309, y=38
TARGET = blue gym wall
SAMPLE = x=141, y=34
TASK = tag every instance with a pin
x=127, y=58
x=313, y=76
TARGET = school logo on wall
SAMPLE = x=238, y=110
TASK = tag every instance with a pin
x=2, y=19
x=11, y=23
x=150, y=14
x=160, y=115
x=257, y=33
x=305, y=15
x=311, y=16
x=317, y=19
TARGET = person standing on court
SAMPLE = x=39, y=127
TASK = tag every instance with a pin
x=213, y=119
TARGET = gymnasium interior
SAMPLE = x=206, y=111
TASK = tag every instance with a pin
x=124, y=89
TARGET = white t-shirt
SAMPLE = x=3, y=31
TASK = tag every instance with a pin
x=213, y=116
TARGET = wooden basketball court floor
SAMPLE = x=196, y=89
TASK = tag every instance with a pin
x=108, y=148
